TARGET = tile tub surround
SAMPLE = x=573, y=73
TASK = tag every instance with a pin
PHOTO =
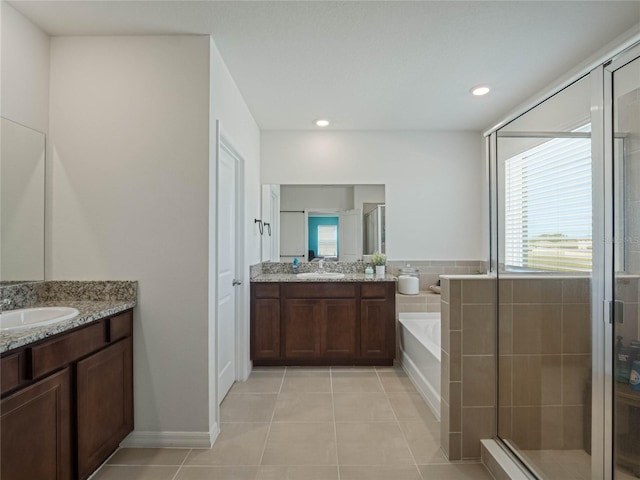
x=544, y=361
x=424, y=301
x=430, y=270
x=93, y=300
x=310, y=424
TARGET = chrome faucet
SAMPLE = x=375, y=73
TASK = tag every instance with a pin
x=321, y=266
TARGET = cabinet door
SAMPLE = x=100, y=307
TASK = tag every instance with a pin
x=339, y=336
x=105, y=404
x=265, y=329
x=35, y=425
x=302, y=320
x=376, y=329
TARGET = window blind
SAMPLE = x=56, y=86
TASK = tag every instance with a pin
x=327, y=240
x=548, y=207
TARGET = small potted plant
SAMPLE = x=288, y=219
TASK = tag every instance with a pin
x=379, y=260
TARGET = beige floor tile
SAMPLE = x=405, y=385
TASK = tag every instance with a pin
x=395, y=380
x=149, y=456
x=304, y=407
x=372, y=444
x=265, y=382
x=410, y=406
x=217, y=473
x=275, y=472
x=300, y=444
x=138, y=472
x=268, y=370
x=355, y=381
x=248, y=407
x=237, y=444
x=307, y=380
x=362, y=407
x=456, y=471
x=396, y=472
x=341, y=369
x=424, y=442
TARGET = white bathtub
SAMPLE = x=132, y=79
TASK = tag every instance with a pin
x=420, y=354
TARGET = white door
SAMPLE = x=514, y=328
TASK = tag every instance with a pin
x=226, y=272
x=350, y=231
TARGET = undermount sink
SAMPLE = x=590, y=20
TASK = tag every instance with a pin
x=320, y=275
x=34, y=317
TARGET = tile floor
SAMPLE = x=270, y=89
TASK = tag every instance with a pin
x=310, y=424
x=566, y=465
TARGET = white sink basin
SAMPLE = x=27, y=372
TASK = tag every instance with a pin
x=320, y=276
x=34, y=317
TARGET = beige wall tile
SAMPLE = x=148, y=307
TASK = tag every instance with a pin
x=526, y=427
x=537, y=328
x=455, y=368
x=455, y=316
x=479, y=327
x=444, y=331
x=444, y=376
x=537, y=380
x=576, y=290
x=505, y=291
x=479, y=291
x=504, y=422
x=455, y=446
x=455, y=407
x=505, y=329
x=576, y=328
x=444, y=427
x=574, y=423
x=444, y=289
x=479, y=381
x=537, y=291
x=455, y=291
x=576, y=373
x=505, y=380
x=478, y=424
x=551, y=428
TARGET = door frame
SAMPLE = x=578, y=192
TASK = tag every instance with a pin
x=242, y=362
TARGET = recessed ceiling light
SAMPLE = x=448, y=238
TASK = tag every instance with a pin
x=480, y=90
x=322, y=123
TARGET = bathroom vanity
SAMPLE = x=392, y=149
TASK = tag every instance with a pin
x=306, y=322
x=66, y=392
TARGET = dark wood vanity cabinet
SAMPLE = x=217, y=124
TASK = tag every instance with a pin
x=341, y=323
x=68, y=403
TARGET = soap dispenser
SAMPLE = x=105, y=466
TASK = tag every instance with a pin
x=295, y=265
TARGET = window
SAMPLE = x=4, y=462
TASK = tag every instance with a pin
x=327, y=240
x=548, y=206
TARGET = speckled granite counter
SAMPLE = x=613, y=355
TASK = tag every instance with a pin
x=348, y=277
x=94, y=300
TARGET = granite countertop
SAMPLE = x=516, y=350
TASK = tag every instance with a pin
x=348, y=277
x=90, y=310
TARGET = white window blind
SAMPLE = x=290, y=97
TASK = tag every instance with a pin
x=548, y=207
x=327, y=240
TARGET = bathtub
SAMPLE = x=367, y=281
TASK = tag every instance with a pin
x=420, y=354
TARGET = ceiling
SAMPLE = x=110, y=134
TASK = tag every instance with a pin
x=381, y=65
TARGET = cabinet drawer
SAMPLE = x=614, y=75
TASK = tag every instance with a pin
x=374, y=290
x=266, y=290
x=61, y=351
x=120, y=326
x=320, y=290
x=12, y=371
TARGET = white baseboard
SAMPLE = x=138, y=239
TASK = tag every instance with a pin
x=139, y=439
x=426, y=391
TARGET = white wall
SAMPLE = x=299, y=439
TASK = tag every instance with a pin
x=239, y=128
x=309, y=197
x=129, y=168
x=434, y=182
x=25, y=71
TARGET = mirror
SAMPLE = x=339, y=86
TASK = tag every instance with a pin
x=334, y=222
x=22, y=170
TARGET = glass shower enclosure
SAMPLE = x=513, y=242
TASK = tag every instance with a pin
x=565, y=197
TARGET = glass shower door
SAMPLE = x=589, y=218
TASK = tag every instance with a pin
x=625, y=106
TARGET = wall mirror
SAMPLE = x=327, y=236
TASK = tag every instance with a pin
x=22, y=171
x=334, y=222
